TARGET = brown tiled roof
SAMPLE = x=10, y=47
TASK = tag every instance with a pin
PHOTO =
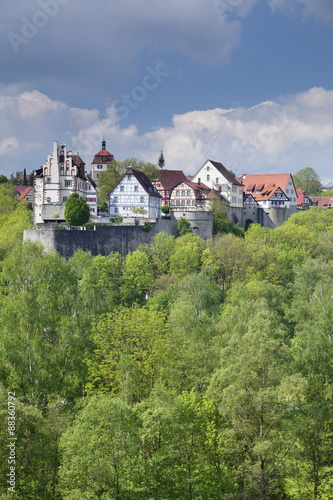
x=104, y=156
x=143, y=180
x=225, y=172
x=24, y=192
x=170, y=178
x=79, y=163
x=20, y=189
x=197, y=185
x=92, y=182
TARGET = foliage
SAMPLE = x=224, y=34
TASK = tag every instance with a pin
x=130, y=345
x=148, y=226
x=186, y=370
x=111, y=176
x=165, y=209
x=77, y=211
x=307, y=180
x=183, y=226
x=3, y=179
x=161, y=160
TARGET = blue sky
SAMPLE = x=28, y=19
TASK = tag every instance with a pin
x=244, y=82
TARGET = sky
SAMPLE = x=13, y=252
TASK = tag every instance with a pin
x=248, y=83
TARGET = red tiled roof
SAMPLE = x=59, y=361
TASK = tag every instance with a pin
x=266, y=194
x=251, y=182
x=170, y=178
x=104, y=156
x=322, y=201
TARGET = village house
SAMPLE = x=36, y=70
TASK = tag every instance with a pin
x=324, y=202
x=214, y=175
x=275, y=194
x=190, y=196
x=91, y=196
x=303, y=201
x=61, y=175
x=135, y=196
x=167, y=180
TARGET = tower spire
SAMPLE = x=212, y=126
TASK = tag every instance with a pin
x=103, y=143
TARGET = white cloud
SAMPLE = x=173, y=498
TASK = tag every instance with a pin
x=322, y=9
x=285, y=135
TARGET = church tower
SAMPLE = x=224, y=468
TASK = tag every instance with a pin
x=101, y=161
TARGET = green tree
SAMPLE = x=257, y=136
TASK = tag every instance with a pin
x=129, y=349
x=161, y=161
x=36, y=449
x=77, y=210
x=3, y=179
x=101, y=453
x=137, y=277
x=307, y=180
x=183, y=226
x=312, y=466
x=186, y=257
x=114, y=172
x=42, y=357
x=256, y=395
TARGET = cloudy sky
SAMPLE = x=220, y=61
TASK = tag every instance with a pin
x=244, y=82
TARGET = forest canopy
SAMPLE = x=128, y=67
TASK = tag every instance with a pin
x=189, y=369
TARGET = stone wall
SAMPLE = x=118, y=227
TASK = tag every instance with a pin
x=114, y=237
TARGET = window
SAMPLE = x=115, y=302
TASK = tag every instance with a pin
x=142, y=199
x=48, y=179
x=115, y=199
x=216, y=180
x=287, y=190
x=68, y=183
x=208, y=177
x=208, y=168
x=64, y=199
x=136, y=188
x=234, y=189
x=234, y=199
x=48, y=199
x=183, y=193
x=188, y=202
x=122, y=189
x=199, y=180
x=188, y=193
x=178, y=203
x=99, y=167
x=116, y=210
